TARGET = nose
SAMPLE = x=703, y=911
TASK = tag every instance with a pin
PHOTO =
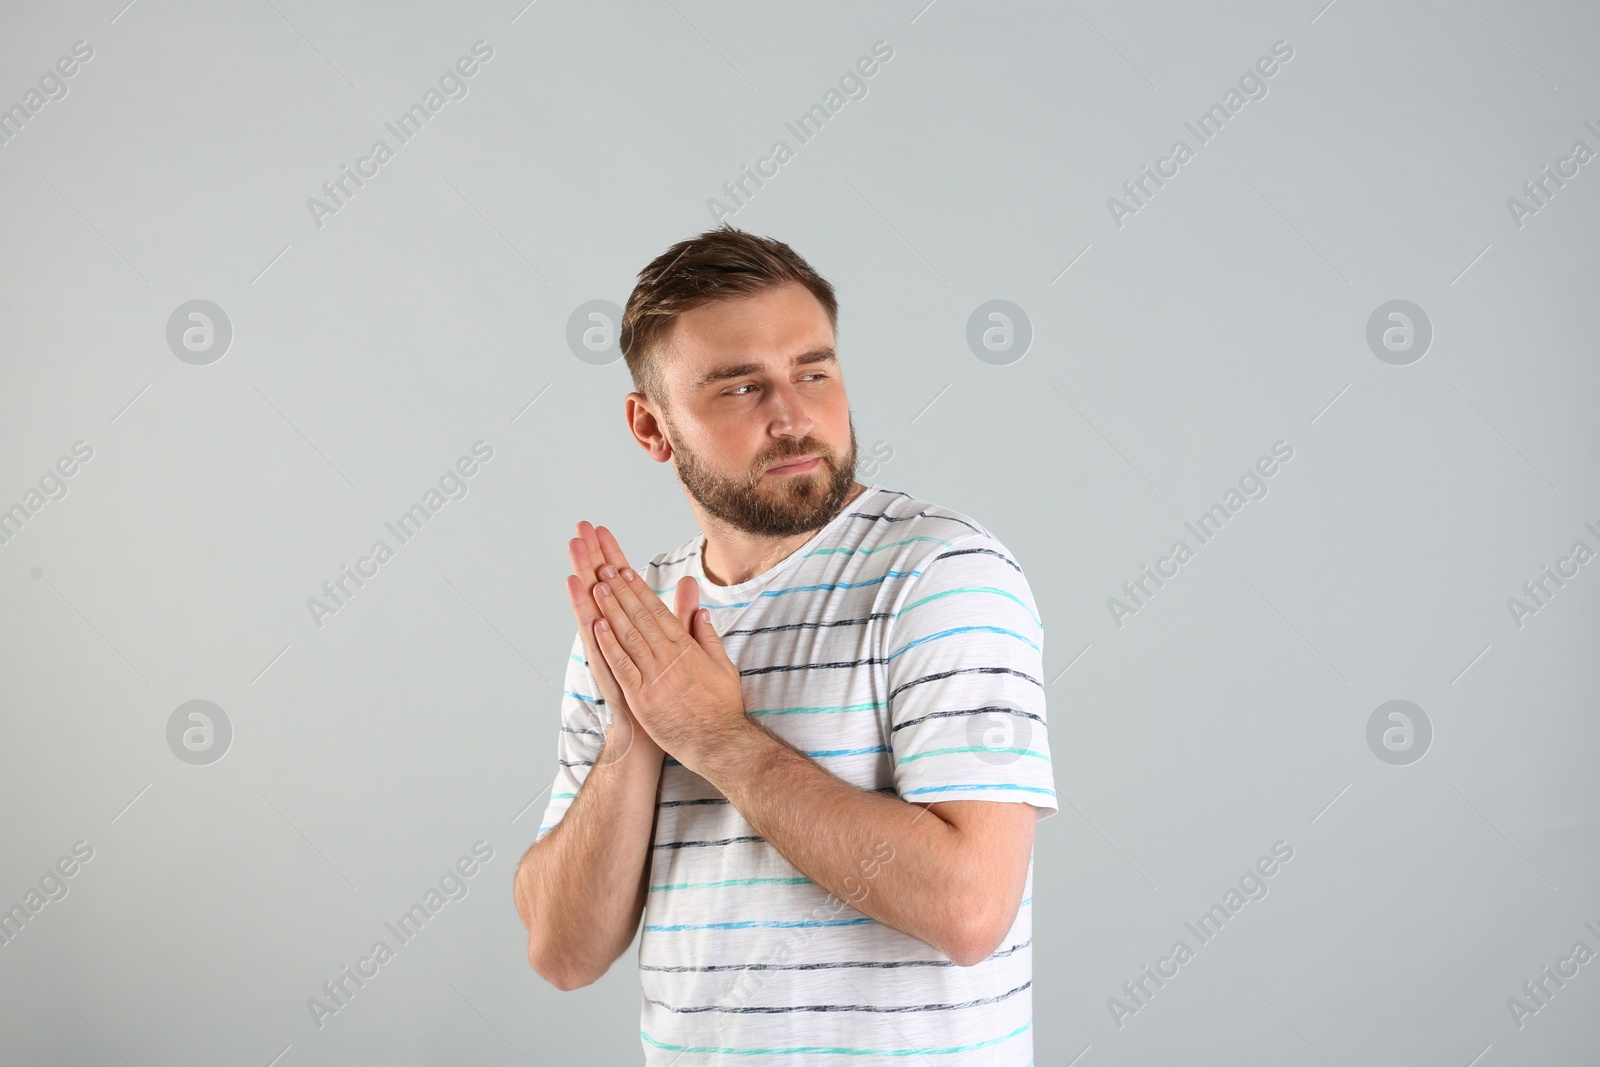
x=788, y=412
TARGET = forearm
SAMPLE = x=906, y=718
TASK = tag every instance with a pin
x=838, y=836
x=581, y=889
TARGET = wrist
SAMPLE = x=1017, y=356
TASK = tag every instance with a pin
x=741, y=753
x=626, y=744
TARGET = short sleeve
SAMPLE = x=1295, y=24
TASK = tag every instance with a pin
x=584, y=721
x=966, y=687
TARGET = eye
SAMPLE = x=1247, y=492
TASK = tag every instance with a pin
x=739, y=390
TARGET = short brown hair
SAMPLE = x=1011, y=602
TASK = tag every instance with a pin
x=719, y=264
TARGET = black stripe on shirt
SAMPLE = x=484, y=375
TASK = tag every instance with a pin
x=986, y=709
x=779, y=1009
x=701, y=844
x=963, y=670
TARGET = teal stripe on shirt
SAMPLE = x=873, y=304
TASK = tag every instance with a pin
x=970, y=748
x=729, y=882
x=970, y=589
x=961, y=630
x=978, y=785
x=820, y=709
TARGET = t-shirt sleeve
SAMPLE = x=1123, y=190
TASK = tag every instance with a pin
x=584, y=721
x=966, y=685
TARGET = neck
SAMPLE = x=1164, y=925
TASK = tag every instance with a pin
x=732, y=556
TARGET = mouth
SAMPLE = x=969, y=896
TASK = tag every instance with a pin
x=800, y=465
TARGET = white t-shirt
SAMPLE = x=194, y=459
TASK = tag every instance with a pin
x=900, y=649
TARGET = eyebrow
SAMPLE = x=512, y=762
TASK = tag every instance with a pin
x=819, y=355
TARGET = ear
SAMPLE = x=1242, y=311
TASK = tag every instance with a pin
x=646, y=427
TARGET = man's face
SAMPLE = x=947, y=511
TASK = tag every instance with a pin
x=752, y=382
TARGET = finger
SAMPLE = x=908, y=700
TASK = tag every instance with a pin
x=653, y=655
x=583, y=566
x=607, y=550
x=596, y=551
x=576, y=594
x=590, y=561
x=585, y=577
x=581, y=592
x=589, y=553
x=640, y=647
x=644, y=608
x=655, y=605
x=583, y=607
x=668, y=652
x=614, y=556
x=602, y=551
x=616, y=656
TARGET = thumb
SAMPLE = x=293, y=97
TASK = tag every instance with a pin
x=687, y=599
x=707, y=635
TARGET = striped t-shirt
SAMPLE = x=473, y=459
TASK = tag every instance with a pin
x=899, y=648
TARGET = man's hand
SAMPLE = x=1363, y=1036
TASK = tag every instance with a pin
x=679, y=683
x=590, y=551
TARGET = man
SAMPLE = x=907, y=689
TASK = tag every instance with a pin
x=817, y=775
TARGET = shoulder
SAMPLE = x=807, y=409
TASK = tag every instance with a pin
x=935, y=534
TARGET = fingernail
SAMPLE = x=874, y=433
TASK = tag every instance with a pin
x=608, y=571
x=627, y=574
x=602, y=589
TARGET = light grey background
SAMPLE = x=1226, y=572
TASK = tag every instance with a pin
x=1168, y=354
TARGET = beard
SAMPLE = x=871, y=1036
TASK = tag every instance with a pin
x=779, y=505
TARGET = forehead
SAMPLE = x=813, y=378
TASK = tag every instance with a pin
x=772, y=325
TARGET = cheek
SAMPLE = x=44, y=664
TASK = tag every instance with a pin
x=732, y=446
